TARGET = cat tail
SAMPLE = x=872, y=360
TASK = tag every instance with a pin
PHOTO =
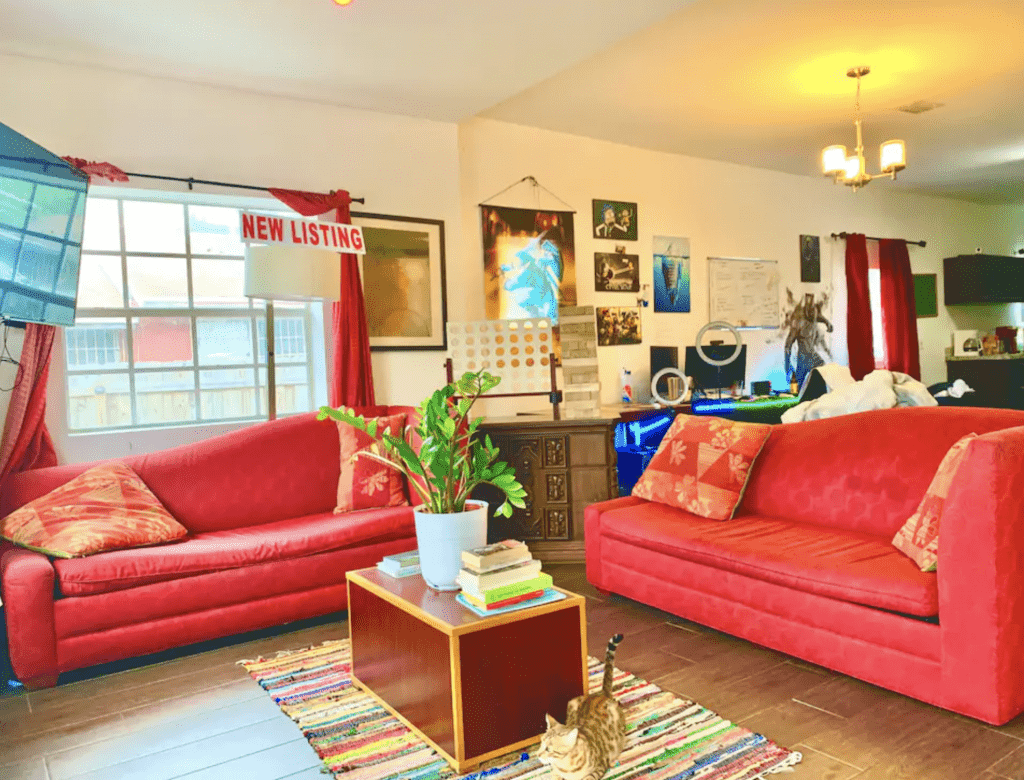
x=609, y=662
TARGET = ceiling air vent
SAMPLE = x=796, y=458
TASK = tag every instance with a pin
x=918, y=107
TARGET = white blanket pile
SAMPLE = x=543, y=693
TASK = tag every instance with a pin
x=878, y=390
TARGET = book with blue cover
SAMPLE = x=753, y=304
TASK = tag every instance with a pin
x=547, y=597
x=401, y=564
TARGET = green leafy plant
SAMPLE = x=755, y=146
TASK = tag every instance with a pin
x=451, y=460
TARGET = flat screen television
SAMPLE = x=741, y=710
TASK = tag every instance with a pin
x=42, y=213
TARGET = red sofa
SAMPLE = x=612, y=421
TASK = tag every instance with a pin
x=264, y=548
x=807, y=566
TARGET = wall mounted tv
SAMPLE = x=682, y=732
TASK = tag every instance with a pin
x=42, y=212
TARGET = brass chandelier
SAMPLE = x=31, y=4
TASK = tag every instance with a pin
x=851, y=170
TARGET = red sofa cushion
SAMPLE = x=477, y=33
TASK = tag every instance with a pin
x=847, y=565
x=230, y=549
x=861, y=472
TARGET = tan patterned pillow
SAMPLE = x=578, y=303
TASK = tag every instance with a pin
x=363, y=482
x=702, y=465
x=107, y=507
x=919, y=536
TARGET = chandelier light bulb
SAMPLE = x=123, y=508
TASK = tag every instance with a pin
x=893, y=156
x=852, y=169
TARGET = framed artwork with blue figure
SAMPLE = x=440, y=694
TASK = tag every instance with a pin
x=529, y=262
x=671, y=274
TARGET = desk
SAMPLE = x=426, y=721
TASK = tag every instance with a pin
x=564, y=465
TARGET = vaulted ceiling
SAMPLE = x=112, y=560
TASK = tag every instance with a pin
x=754, y=82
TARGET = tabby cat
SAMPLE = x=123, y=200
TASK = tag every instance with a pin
x=594, y=733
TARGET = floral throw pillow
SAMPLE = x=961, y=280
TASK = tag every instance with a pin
x=365, y=483
x=702, y=465
x=919, y=536
x=107, y=507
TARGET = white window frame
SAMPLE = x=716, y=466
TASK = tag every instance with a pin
x=311, y=316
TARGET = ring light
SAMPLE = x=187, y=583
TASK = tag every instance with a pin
x=719, y=325
x=669, y=371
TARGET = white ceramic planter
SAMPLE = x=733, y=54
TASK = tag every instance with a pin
x=441, y=538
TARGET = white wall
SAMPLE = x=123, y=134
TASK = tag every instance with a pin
x=402, y=166
x=726, y=211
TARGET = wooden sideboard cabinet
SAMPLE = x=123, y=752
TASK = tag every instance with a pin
x=564, y=465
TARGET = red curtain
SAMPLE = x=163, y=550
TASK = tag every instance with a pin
x=859, y=336
x=352, y=377
x=898, y=308
x=26, y=443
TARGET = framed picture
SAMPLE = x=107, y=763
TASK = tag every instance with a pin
x=810, y=259
x=403, y=281
x=671, y=273
x=618, y=325
x=926, y=300
x=614, y=219
x=617, y=272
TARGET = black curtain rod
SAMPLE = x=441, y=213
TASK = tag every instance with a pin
x=190, y=181
x=844, y=234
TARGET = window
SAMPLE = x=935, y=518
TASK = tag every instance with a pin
x=163, y=334
x=877, y=315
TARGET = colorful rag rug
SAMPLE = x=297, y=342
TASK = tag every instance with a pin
x=667, y=737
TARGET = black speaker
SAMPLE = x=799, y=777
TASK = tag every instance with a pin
x=663, y=357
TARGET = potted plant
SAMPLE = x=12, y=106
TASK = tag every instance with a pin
x=449, y=462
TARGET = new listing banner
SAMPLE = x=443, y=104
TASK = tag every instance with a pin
x=267, y=229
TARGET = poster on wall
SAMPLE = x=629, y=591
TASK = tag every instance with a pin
x=403, y=277
x=805, y=328
x=529, y=262
x=810, y=259
x=618, y=325
x=671, y=274
x=614, y=219
x=617, y=272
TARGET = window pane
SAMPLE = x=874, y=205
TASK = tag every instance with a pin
x=14, y=202
x=289, y=338
x=51, y=208
x=96, y=346
x=98, y=401
x=157, y=282
x=224, y=340
x=292, y=390
x=154, y=227
x=38, y=264
x=162, y=341
x=227, y=392
x=100, y=285
x=214, y=231
x=219, y=283
x=67, y=278
x=101, y=226
x=165, y=396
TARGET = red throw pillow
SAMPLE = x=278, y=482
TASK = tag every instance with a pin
x=702, y=465
x=919, y=536
x=365, y=483
x=107, y=507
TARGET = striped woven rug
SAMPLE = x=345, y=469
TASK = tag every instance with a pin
x=667, y=737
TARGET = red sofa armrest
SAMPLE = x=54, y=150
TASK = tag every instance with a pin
x=26, y=486
x=981, y=580
x=27, y=579
x=592, y=536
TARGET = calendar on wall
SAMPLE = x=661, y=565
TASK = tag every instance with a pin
x=744, y=291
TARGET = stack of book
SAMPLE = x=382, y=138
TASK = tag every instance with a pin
x=400, y=564
x=503, y=576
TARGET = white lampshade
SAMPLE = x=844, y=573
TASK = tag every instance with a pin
x=833, y=159
x=292, y=273
x=894, y=156
x=852, y=168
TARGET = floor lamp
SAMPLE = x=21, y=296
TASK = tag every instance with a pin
x=288, y=273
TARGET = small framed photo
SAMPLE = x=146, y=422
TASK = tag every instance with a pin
x=617, y=272
x=618, y=325
x=810, y=259
x=615, y=219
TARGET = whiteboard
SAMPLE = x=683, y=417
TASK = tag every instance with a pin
x=744, y=291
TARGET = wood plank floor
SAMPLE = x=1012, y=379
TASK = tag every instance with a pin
x=199, y=716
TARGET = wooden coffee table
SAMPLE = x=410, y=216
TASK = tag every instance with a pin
x=472, y=687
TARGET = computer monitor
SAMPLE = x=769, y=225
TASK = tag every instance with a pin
x=706, y=376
